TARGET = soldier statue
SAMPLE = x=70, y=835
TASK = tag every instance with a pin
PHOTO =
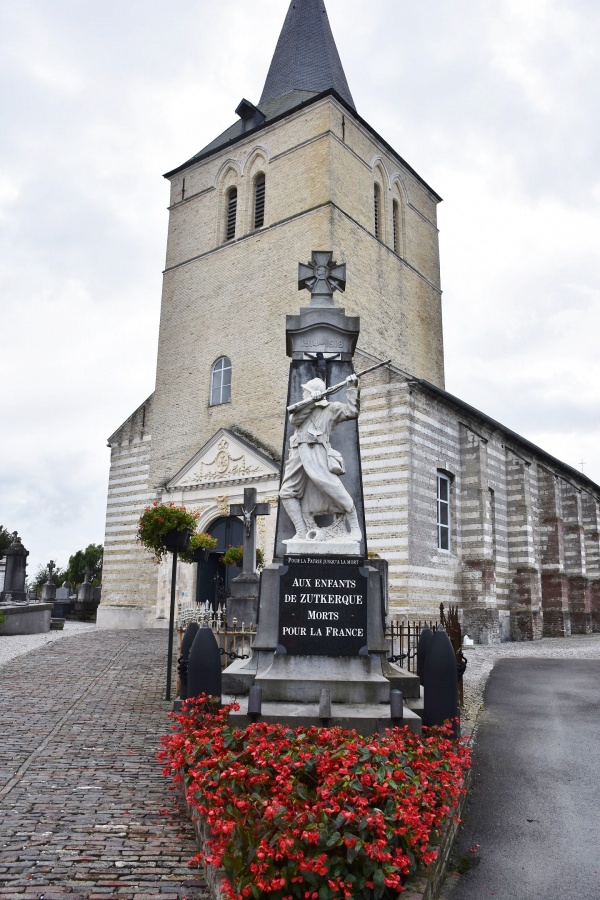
x=311, y=483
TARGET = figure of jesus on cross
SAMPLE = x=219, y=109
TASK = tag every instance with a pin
x=249, y=510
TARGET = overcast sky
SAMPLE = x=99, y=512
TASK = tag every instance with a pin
x=494, y=103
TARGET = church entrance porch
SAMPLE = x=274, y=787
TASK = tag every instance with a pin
x=213, y=584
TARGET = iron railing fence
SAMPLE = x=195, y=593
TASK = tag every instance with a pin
x=402, y=637
x=234, y=639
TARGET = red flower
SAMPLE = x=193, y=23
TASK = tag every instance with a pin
x=290, y=810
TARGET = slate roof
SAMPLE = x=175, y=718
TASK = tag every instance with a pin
x=271, y=110
x=306, y=57
x=305, y=64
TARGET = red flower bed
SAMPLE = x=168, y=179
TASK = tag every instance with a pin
x=317, y=813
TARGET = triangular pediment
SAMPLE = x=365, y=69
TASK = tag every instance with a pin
x=226, y=458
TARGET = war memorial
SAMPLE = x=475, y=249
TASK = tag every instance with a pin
x=320, y=652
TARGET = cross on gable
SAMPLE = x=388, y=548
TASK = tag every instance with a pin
x=249, y=510
x=321, y=276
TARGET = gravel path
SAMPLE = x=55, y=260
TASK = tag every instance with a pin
x=12, y=645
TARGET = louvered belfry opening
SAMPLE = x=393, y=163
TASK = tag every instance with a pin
x=395, y=216
x=259, y=201
x=231, y=214
x=377, y=209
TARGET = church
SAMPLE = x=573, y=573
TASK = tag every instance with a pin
x=465, y=511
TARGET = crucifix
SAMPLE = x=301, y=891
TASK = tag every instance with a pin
x=50, y=568
x=249, y=510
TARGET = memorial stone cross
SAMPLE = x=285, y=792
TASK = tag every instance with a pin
x=249, y=510
x=50, y=569
x=86, y=576
x=321, y=276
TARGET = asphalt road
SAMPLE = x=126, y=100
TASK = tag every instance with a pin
x=532, y=826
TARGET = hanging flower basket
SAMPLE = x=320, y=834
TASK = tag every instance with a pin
x=199, y=548
x=177, y=540
x=234, y=556
x=165, y=527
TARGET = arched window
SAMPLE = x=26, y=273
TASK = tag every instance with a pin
x=377, y=209
x=396, y=225
x=220, y=384
x=259, y=201
x=231, y=214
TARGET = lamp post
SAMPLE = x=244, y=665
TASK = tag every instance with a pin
x=174, y=541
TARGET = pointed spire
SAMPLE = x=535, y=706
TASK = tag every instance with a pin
x=306, y=57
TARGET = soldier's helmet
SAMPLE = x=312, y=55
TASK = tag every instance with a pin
x=316, y=384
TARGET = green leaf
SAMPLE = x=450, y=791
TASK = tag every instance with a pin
x=379, y=878
x=339, y=821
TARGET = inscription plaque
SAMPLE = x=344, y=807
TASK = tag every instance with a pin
x=323, y=605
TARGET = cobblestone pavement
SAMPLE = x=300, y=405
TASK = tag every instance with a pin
x=481, y=660
x=85, y=813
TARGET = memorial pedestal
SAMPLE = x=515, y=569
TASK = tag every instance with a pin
x=320, y=627
x=243, y=603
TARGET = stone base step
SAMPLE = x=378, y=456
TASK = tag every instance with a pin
x=365, y=718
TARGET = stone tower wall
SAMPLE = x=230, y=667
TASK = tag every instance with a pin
x=232, y=298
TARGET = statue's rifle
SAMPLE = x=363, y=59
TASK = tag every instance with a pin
x=303, y=404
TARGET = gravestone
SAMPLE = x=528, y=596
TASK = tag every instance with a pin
x=63, y=603
x=85, y=606
x=243, y=603
x=21, y=614
x=15, y=572
x=320, y=625
x=49, y=588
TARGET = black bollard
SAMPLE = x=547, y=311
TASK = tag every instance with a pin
x=424, y=642
x=440, y=683
x=183, y=661
x=325, y=707
x=396, y=707
x=255, y=702
x=204, y=665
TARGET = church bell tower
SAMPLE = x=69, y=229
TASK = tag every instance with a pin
x=299, y=170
